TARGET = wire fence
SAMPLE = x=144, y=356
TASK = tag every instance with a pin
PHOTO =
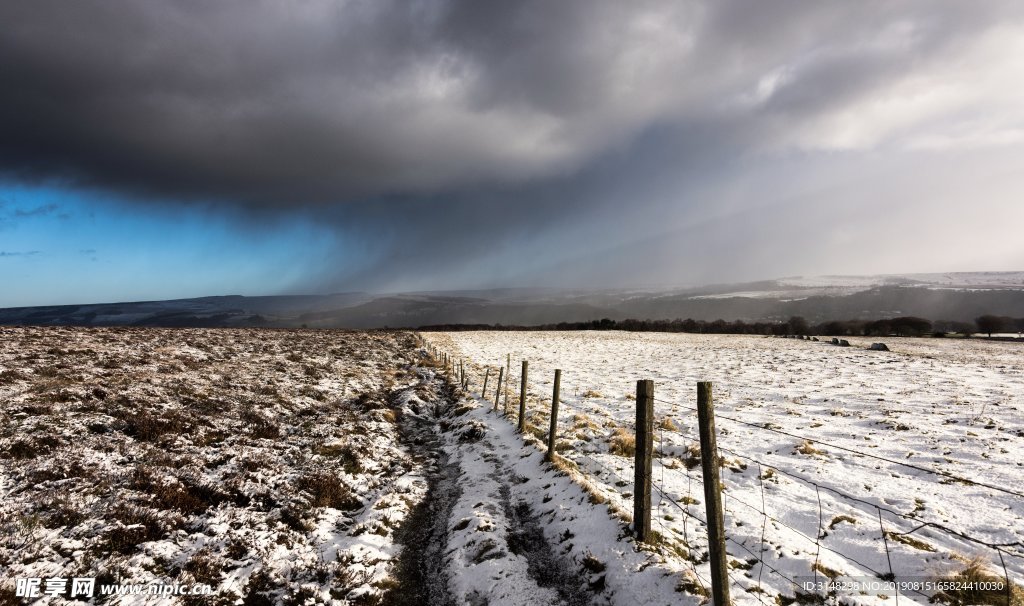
x=756, y=558
x=1002, y=550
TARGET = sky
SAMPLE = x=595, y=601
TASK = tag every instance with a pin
x=155, y=150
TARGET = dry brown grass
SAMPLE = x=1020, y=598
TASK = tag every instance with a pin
x=909, y=541
x=836, y=521
x=825, y=570
x=691, y=457
x=978, y=571
x=581, y=421
x=343, y=452
x=327, y=490
x=622, y=443
x=202, y=426
x=807, y=448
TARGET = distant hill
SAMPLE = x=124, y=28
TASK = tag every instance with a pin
x=954, y=296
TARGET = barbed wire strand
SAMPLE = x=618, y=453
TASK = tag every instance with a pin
x=759, y=558
x=885, y=541
x=736, y=582
x=849, y=497
x=729, y=573
x=763, y=563
x=806, y=537
x=756, y=557
x=818, y=544
x=937, y=472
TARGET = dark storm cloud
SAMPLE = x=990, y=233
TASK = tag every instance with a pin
x=292, y=102
x=447, y=126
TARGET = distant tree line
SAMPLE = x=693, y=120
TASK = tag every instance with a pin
x=901, y=326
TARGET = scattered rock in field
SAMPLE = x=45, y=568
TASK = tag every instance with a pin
x=844, y=343
x=835, y=341
x=878, y=347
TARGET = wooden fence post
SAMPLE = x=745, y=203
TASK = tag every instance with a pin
x=508, y=375
x=550, y=456
x=483, y=392
x=712, y=494
x=497, y=387
x=522, y=399
x=642, y=464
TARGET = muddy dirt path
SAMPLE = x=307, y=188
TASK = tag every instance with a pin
x=420, y=572
x=476, y=538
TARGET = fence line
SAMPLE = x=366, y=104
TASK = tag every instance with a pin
x=659, y=487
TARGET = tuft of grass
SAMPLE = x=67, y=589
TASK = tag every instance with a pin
x=668, y=424
x=26, y=448
x=825, y=570
x=205, y=567
x=147, y=427
x=592, y=565
x=909, y=540
x=807, y=448
x=590, y=393
x=61, y=512
x=344, y=453
x=327, y=490
x=691, y=584
x=839, y=520
x=259, y=426
x=622, y=443
x=580, y=421
x=540, y=433
x=975, y=572
x=691, y=457
x=8, y=377
x=190, y=496
x=135, y=525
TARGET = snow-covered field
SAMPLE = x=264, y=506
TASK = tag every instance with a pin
x=954, y=406
x=332, y=467
x=263, y=463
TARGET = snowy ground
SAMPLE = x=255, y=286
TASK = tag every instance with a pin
x=290, y=467
x=521, y=532
x=264, y=463
x=955, y=406
x=305, y=467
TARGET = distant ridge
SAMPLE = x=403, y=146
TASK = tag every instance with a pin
x=959, y=296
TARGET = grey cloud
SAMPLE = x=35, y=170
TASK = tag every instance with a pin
x=436, y=129
x=25, y=253
x=323, y=101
